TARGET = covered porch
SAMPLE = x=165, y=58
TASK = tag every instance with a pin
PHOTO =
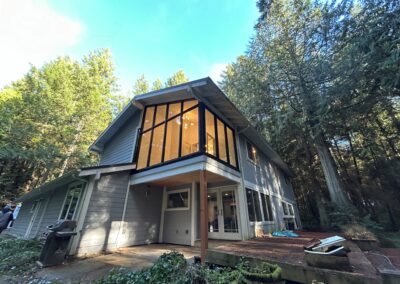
x=199, y=202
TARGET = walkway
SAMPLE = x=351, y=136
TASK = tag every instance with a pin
x=89, y=269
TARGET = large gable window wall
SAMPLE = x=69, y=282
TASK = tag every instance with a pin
x=173, y=130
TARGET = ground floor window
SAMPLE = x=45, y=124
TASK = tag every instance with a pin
x=289, y=217
x=178, y=199
x=259, y=206
x=71, y=202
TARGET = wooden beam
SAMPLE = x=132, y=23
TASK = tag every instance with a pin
x=203, y=216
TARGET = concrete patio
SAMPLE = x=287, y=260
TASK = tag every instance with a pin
x=89, y=269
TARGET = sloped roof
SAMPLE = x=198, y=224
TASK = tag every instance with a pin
x=206, y=91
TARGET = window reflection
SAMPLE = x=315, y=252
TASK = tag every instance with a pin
x=211, y=147
x=221, y=141
x=171, y=131
x=190, y=132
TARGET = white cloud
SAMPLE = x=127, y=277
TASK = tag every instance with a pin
x=216, y=71
x=32, y=32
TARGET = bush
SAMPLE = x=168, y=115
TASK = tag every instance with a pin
x=18, y=256
x=173, y=268
x=264, y=272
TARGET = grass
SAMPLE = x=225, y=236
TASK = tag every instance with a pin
x=18, y=256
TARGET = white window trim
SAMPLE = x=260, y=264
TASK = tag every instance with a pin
x=257, y=161
x=288, y=216
x=179, y=208
x=66, y=196
x=257, y=189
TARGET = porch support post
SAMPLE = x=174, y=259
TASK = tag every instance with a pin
x=203, y=216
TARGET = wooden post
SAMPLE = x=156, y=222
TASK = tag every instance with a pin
x=203, y=216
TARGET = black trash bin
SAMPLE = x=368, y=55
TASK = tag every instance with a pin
x=56, y=245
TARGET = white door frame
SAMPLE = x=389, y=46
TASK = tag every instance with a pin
x=221, y=234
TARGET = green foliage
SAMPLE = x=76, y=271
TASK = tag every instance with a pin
x=51, y=116
x=176, y=79
x=264, y=272
x=141, y=86
x=18, y=256
x=320, y=81
x=173, y=268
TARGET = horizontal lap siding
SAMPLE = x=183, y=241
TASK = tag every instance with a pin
x=48, y=214
x=53, y=210
x=104, y=214
x=142, y=217
x=120, y=148
x=21, y=223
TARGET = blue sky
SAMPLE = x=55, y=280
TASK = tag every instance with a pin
x=154, y=38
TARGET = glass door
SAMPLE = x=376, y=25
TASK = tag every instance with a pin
x=222, y=214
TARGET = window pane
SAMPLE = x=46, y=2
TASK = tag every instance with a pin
x=178, y=200
x=174, y=109
x=160, y=115
x=231, y=147
x=190, y=132
x=66, y=205
x=266, y=206
x=291, y=212
x=172, y=139
x=189, y=104
x=257, y=206
x=285, y=210
x=211, y=147
x=251, y=152
x=148, y=119
x=143, y=150
x=221, y=141
x=157, y=145
x=250, y=204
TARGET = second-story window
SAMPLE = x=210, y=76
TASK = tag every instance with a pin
x=251, y=152
x=169, y=131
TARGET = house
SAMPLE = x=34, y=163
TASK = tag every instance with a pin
x=177, y=165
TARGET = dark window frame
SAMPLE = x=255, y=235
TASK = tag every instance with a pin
x=202, y=139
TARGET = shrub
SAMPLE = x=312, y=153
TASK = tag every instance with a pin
x=18, y=256
x=264, y=272
x=357, y=231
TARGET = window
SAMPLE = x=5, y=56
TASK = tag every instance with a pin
x=253, y=205
x=178, y=200
x=231, y=147
x=71, y=202
x=251, y=152
x=221, y=141
x=285, y=208
x=211, y=147
x=266, y=206
x=169, y=131
x=172, y=130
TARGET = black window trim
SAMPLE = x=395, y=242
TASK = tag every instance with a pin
x=201, y=114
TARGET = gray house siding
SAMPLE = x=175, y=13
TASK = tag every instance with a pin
x=104, y=214
x=119, y=149
x=141, y=224
x=266, y=177
x=21, y=223
x=48, y=214
x=177, y=223
x=54, y=207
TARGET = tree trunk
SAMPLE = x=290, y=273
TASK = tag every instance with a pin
x=333, y=182
x=72, y=147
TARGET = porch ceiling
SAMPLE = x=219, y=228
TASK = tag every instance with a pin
x=186, y=178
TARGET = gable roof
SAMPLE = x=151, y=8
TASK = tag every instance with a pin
x=209, y=93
